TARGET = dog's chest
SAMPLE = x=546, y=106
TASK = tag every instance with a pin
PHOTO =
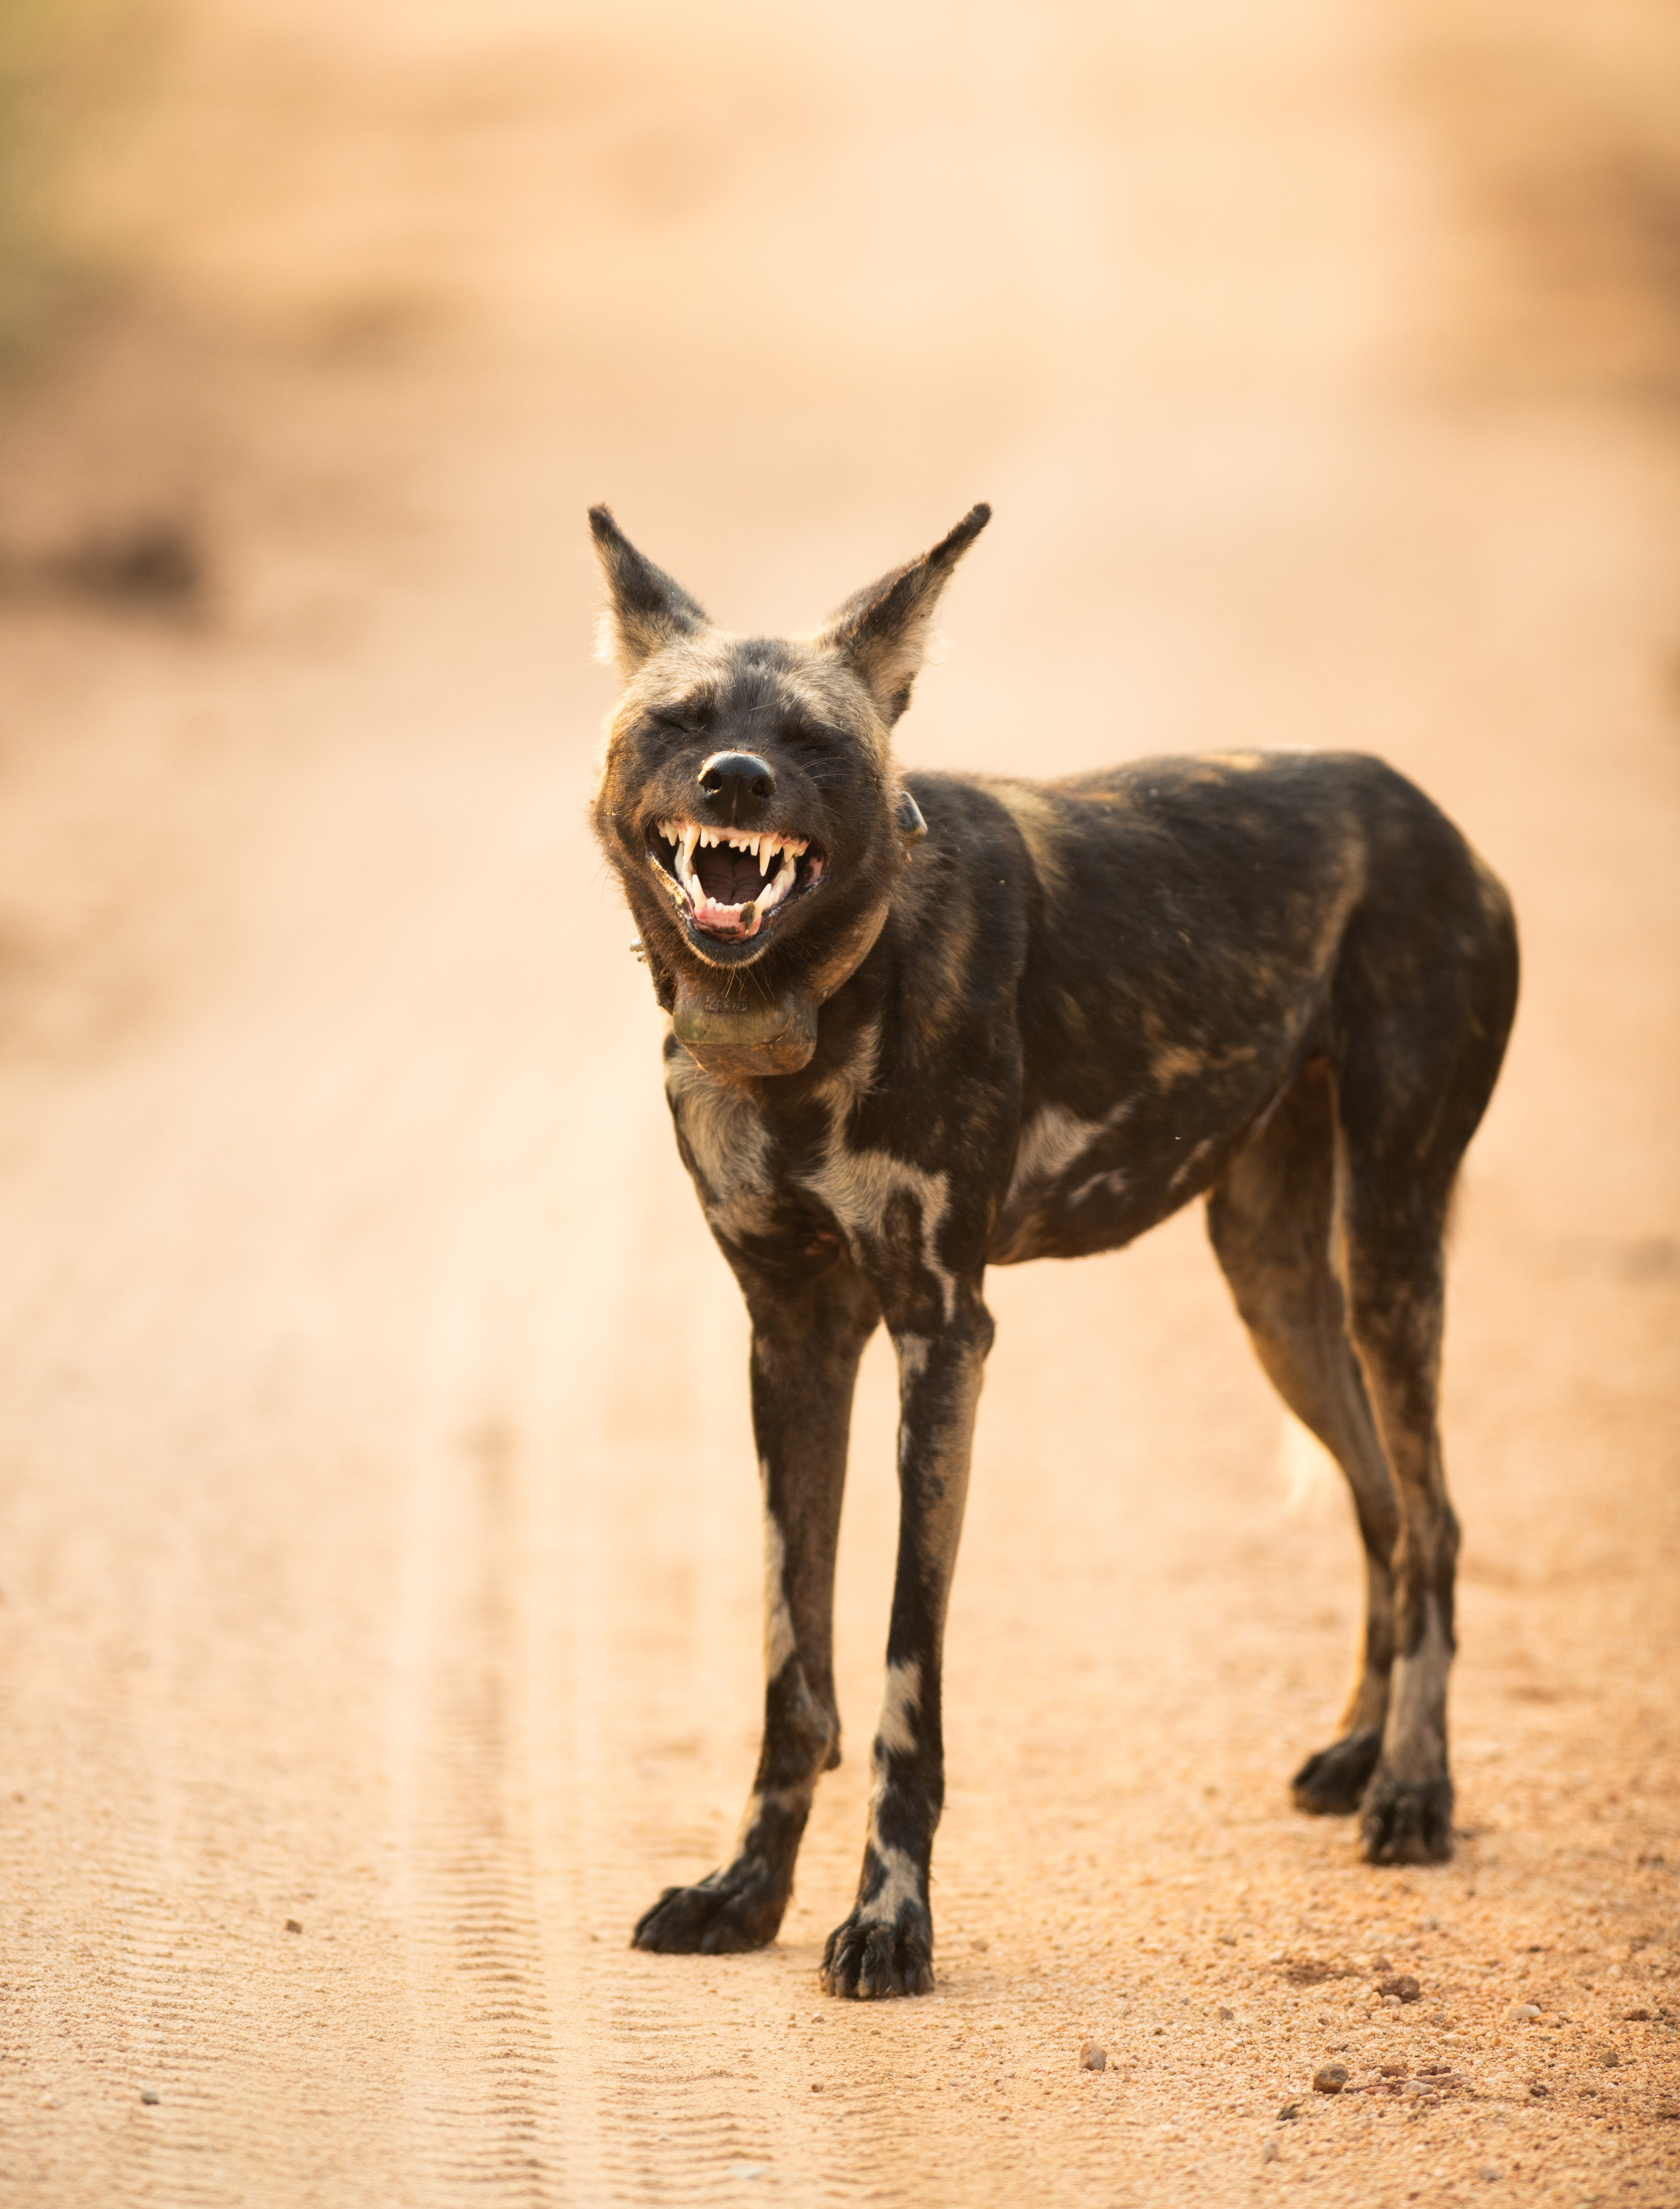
x=727, y=1147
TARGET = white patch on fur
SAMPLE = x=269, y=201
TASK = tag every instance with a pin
x=732, y=1145
x=895, y=1731
x=858, y=1186
x=900, y=1885
x=1115, y=1183
x=1051, y=1141
x=912, y=1351
x=780, y=1642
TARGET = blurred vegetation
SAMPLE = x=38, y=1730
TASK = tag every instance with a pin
x=65, y=67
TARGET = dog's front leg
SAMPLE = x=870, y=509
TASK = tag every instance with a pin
x=886, y=1945
x=808, y=1336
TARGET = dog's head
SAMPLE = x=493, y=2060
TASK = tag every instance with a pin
x=749, y=797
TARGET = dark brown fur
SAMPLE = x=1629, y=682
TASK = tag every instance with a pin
x=1284, y=982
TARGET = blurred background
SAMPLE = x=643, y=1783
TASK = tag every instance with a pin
x=377, y=1495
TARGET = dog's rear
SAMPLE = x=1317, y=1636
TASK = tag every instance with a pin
x=920, y=1028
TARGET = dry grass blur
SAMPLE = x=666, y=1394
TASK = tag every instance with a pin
x=376, y=1532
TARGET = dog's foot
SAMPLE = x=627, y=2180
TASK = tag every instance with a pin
x=1330, y=1783
x=1406, y=1821
x=866, y=1958
x=726, y=1914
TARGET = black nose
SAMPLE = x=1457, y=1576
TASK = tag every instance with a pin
x=737, y=786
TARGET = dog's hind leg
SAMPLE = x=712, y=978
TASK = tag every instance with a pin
x=886, y=1945
x=1272, y=1223
x=808, y=1336
x=1425, y=1001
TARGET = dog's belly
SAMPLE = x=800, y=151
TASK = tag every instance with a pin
x=1080, y=1186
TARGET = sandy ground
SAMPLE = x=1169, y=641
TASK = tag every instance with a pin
x=378, y=1527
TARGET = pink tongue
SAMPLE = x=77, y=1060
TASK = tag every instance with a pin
x=718, y=923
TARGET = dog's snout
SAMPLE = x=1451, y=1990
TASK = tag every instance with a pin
x=735, y=785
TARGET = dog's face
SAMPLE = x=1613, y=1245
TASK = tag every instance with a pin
x=748, y=795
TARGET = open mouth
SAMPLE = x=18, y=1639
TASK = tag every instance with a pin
x=729, y=882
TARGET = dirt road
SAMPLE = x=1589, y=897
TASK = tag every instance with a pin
x=377, y=1520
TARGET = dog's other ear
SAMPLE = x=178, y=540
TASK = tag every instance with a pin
x=884, y=630
x=645, y=609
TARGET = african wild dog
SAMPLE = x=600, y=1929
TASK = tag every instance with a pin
x=923, y=1024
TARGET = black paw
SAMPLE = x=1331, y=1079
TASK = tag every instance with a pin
x=730, y=1910
x=1330, y=1783
x=1405, y=1822
x=865, y=1959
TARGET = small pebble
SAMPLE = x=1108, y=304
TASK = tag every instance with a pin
x=816, y=2086
x=1329, y=2078
x=1092, y=2058
x=149, y=2096
x=1403, y=1986
x=1393, y=2070
x=1635, y=2016
x=1270, y=2152
x=293, y=1925
x=1227, y=2016
x=1610, y=2059
x=1489, y=2171
x=1523, y=2010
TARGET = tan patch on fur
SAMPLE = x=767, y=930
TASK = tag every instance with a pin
x=1042, y=831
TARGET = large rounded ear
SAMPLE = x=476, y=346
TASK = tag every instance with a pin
x=645, y=610
x=884, y=630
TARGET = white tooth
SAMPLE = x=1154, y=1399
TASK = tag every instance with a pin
x=753, y=843
x=776, y=888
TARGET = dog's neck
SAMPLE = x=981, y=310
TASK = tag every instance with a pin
x=736, y=1036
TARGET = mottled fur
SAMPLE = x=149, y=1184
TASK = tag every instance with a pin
x=1284, y=982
